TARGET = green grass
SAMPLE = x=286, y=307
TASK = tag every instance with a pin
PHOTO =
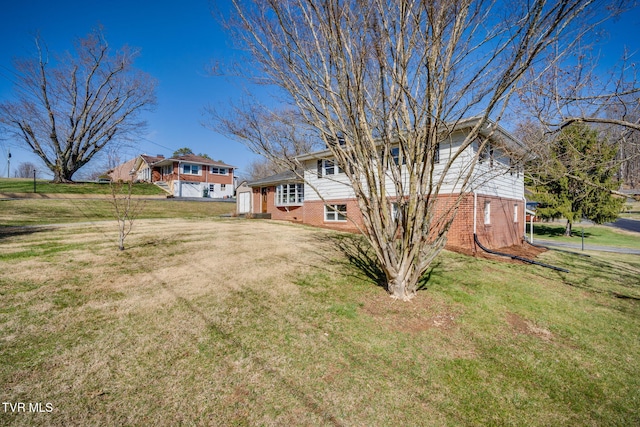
x=117, y=341
x=24, y=185
x=597, y=235
x=631, y=210
x=18, y=212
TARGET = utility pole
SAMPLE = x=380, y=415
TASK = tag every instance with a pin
x=9, y=163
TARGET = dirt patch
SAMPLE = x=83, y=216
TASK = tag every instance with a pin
x=524, y=251
x=521, y=326
x=421, y=314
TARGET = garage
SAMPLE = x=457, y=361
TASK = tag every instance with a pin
x=190, y=189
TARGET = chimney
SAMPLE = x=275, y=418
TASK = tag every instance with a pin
x=160, y=156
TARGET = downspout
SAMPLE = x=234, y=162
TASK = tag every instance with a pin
x=519, y=258
x=206, y=179
x=475, y=211
x=179, y=186
x=524, y=217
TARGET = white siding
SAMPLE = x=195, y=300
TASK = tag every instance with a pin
x=336, y=187
x=498, y=179
x=330, y=187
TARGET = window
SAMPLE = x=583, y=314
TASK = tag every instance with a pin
x=223, y=187
x=289, y=194
x=335, y=212
x=167, y=169
x=395, y=212
x=212, y=188
x=395, y=154
x=515, y=213
x=189, y=169
x=485, y=153
x=328, y=167
x=487, y=212
x=219, y=171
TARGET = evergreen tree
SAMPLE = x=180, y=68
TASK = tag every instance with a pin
x=579, y=178
x=182, y=152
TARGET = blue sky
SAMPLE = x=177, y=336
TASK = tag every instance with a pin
x=178, y=40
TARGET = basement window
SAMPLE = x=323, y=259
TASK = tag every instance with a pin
x=335, y=212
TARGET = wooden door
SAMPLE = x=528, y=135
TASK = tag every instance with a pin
x=264, y=191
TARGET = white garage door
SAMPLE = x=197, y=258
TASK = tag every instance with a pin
x=191, y=190
x=244, y=202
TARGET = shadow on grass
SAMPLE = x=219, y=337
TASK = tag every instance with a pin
x=7, y=232
x=361, y=257
x=557, y=231
x=220, y=333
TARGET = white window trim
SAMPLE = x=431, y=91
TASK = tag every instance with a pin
x=332, y=164
x=332, y=211
x=191, y=165
x=515, y=214
x=219, y=168
x=487, y=212
x=282, y=196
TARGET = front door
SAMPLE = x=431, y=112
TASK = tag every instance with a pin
x=264, y=191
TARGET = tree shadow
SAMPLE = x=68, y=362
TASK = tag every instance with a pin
x=556, y=231
x=7, y=231
x=361, y=258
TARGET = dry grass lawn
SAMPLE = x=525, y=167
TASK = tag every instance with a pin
x=117, y=336
x=236, y=322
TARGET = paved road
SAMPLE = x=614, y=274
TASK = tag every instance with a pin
x=626, y=224
x=578, y=247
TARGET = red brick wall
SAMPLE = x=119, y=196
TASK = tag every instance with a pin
x=314, y=215
x=501, y=232
x=204, y=176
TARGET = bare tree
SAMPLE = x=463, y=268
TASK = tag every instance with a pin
x=125, y=208
x=371, y=76
x=25, y=170
x=67, y=110
x=281, y=135
x=579, y=93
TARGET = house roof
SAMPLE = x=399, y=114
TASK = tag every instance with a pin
x=280, y=178
x=151, y=159
x=192, y=158
x=490, y=128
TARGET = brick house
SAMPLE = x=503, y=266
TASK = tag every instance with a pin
x=187, y=176
x=494, y=208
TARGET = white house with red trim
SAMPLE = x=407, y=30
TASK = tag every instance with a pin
x=492, y=205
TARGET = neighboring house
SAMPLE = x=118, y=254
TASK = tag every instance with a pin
x=187, y=176
x=143, y=169
x=494, y=209
x=122, y=172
